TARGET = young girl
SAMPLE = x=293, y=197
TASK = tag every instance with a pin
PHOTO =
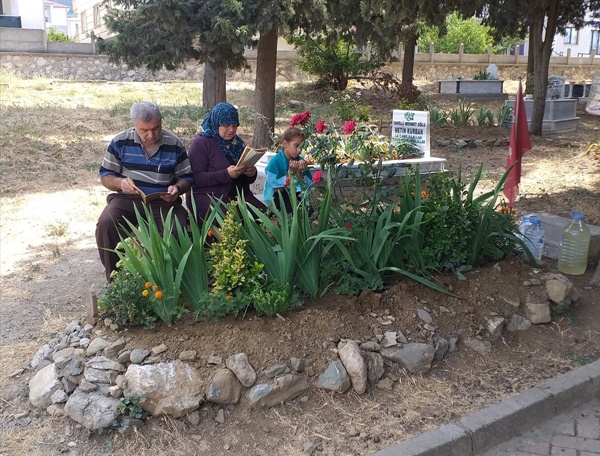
x=287, y=160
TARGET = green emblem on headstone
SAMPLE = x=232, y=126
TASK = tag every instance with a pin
x=409, y=116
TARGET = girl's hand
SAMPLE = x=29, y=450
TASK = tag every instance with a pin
x=297, y=165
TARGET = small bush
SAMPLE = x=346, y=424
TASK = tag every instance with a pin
x=483, y=76
x=123, y=301
x=462, y=115
x=485, y=117
x=274, y=299
x=130, y=406
x=232, y=269
x=57, y=36
x=216, y=305
x=438, y=117
x=333, y=63
x=503, y=113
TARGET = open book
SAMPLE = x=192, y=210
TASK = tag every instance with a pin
x=251, y=156
x=146, y=198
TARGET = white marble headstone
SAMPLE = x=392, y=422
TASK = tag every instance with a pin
x=492, y=70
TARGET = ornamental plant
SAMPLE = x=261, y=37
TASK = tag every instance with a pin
x=329, y=145
x=148, y=255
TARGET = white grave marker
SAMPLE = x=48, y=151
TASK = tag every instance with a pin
x=492, y=70
x=412, y=126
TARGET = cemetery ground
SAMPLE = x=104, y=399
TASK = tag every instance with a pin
x=53, y=138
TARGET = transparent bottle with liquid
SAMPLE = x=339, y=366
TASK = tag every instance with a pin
x=535, y=237
x=574, y=246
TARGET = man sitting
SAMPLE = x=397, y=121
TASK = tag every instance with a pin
x=156, y=161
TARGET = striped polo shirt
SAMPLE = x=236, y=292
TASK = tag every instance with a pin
x=125, y=157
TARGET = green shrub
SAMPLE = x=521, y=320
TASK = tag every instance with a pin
x=485, y=117
x=503, y=114
x=438, y=117
x=333, y=63
x=123, y=301
x=462, y=115
x=483, y=76
x=233, y=270
x=57, y=36
x=275, y=298
x=218, y=304
x=130, y=406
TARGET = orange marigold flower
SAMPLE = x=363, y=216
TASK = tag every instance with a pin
x=155, y=287
x=423, y=194
x=158, y=294
x=228, y=297
x=145, y=293
x=209, y=233
x=148, y=284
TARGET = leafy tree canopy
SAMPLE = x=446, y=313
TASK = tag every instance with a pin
x=58, y=36
x=448, y=38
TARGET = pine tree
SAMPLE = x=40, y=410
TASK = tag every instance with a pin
x=166, y=33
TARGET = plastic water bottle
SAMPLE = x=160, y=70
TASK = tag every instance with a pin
x=574, y=246
x=535, y=237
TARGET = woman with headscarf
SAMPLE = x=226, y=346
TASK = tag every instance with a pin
x=213, y=156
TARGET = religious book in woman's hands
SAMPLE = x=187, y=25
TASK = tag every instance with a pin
x=147, y=198
x=250, y=156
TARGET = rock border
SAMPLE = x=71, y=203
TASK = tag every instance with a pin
x=84, y=375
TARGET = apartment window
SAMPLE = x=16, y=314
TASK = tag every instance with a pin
x=97, y=16
x=83, y=22
x=595, y=41
x=570, y=36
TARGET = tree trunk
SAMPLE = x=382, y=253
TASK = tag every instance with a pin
x=266, y=70
x=530, y=52
x=408, y=62
x=214, y=85
x=543, y=31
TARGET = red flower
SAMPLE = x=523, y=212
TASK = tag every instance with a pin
x=349, y=127
x=287, y=182
x=317, y=177
x=300, y=119
x=348, y=225
x=321, y=127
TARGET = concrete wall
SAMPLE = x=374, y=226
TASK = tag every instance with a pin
x=96, y=67
x=25, y=40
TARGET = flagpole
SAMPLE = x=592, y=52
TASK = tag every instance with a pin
x=516, y=118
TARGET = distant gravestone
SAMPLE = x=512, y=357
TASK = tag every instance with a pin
x=593, y=105
x=556, y=88
x=492, y=70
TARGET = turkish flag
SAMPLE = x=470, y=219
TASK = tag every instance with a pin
x=519, y=144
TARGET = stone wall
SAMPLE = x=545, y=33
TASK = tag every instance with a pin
x=97, y=67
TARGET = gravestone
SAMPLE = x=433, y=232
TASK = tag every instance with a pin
x=556, y=88
x=492, y=70
x=593, y=105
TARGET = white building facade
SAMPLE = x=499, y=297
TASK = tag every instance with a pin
x=28, y=13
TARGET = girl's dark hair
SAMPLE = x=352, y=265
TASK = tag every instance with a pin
x=292, y=132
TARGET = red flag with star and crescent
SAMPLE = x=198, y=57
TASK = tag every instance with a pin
x=519, y=144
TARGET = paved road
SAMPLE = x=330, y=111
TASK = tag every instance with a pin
x=573, y=434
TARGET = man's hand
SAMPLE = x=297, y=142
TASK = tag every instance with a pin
x=127, y=188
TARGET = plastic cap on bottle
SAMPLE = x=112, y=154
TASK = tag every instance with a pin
x=576, y=215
